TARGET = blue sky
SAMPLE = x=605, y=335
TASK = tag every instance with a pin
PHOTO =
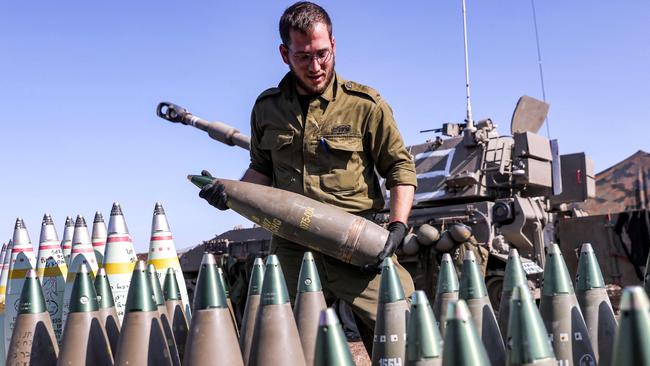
x=79, y=82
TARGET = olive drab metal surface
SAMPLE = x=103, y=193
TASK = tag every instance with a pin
x=472, y=289
x=107, y=310
x=252, y=305
x=527, y=341
x=595, y=305
x=275, y=338
x=561, y=313
x=309, y=303
x=462, y=345
x=515, y=276
x=85, y=340
x=32, y=339
x=142, y=339
x=446, y=291
x=211, y=321
x=331, y=345
x=389, y=340
x=632, y=344
x=423, y=340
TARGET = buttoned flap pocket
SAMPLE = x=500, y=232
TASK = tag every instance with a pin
x=343, y=142
x=276, y=139
x=340, y=152
x=339, y=181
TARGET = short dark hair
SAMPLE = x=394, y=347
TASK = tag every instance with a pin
x=302, y=17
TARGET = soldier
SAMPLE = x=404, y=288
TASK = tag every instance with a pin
x=319, y=135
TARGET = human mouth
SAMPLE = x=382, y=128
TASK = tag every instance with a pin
x=316, y=79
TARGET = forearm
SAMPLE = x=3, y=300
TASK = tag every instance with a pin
x=401, y=200
x=253, y=176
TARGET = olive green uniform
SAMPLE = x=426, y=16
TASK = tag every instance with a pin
x=331, y=155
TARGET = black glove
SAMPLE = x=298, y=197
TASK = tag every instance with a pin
x=396, y=233
x=214, y=193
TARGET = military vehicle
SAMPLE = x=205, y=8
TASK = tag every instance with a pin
x=474, y=186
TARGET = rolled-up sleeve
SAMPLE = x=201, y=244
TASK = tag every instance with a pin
x=392, y=160
x=260, y=159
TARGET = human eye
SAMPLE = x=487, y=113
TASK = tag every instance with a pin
x=323, y=54
x=302, y=57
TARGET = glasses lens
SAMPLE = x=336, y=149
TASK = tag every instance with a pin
x=303, y=58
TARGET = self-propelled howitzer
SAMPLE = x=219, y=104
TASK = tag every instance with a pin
x=476, y=186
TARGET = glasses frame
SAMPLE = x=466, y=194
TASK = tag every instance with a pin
x=306, y=58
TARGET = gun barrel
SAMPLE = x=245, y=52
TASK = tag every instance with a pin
x=219, y=131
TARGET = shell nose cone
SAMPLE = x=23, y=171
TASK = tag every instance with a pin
x=634, y=298
x=47, y=220
x=513, y=253
x=116, y=210
x=458, y=310
x=390, y=287
x=80, y=222
x=208, y=258
x=98, y=217
x=158, y=210
x=419, y=298
x=469, y=256
x=328, y=317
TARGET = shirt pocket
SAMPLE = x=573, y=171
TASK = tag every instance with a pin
x=340, y=155
x=278, y=143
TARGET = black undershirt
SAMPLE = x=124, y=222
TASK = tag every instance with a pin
x=304, y=101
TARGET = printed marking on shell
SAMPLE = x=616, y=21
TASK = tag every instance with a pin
x=587, y=360
x=394, y=338
x=564, y=337
x=83, y=300
x=272, y=225
x=307, y=281
x=305, y=221
x=577, y=336
x=382, y=339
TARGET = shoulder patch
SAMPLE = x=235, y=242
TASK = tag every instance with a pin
x=367, y=91
x=267, y=93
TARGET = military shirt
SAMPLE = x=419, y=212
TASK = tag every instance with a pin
x=331, y=154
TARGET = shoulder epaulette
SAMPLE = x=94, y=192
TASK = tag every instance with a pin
x=267, y=93
x=367, y=91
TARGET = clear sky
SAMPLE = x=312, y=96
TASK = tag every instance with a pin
x=79, y=82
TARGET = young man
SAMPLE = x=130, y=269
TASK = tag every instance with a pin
x=321, y=136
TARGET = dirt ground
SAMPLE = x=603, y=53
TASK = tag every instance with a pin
x=359, y=353
x=361, y=357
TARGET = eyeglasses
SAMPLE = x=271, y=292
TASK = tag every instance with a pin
x=305, y=58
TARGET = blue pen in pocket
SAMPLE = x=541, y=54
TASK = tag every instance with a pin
x=323, y=143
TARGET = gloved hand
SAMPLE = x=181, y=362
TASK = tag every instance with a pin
x=214, y=193
x=396, y=233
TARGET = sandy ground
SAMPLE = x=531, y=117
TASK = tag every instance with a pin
x=359, y=353
x=361, y=358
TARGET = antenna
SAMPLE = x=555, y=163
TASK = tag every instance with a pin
x=470, y=120
x=539, y=62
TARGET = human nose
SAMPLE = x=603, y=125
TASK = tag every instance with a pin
x=314, y=65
